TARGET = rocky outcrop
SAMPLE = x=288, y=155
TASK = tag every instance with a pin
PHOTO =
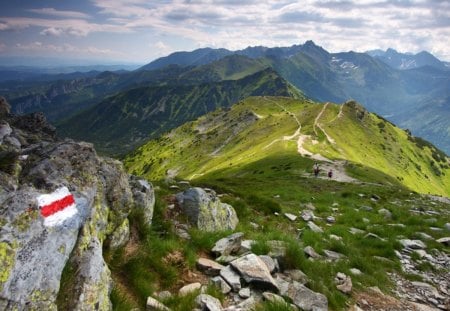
x=205, y=210
x=45, y=264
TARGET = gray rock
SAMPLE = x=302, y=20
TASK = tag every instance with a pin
x=231, y=277
x=205, y=210
x=208, y=303
x=447, y=226
x=254, y=271
x=445, y=241
x=228, y=245
x=355, y=271
x=226, y=259
x=424, y=236
x=333, y=255
x=413, y=244
x=221, y=284
x=307, y=215
x=144, y=197
x=244, y=293
x=209, y=267
x=310, y=206
x=246, y=246
x=344, y=283
x=366, y=208
x=331, y=220
x=163, y=295
x=297, y=275
x=247, y=305
x=314, y=227
x=356, y=231
x=306, y=299
x=290, y=216
x=154, y=305
x=371, y=235
x=311, y=252
x=271, y=263
x=385, y=213
x=335, y=237
x=187, y=289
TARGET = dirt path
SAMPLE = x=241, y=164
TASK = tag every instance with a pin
x=338, y=169
x=317, y=124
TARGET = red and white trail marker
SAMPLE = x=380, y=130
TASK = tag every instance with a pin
x=57, y=206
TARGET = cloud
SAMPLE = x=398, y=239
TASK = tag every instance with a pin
x=70, y=49
x=62, y=14
x=52, y=31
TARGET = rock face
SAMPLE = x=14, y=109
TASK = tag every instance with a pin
x=205, y=210
x=34, y=252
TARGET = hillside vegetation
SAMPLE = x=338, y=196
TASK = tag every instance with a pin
x=121, y=122
x=267, y=128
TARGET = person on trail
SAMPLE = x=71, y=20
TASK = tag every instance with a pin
x=316, y=169
x=330, y=173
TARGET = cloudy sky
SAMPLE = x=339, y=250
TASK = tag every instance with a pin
x=142, y=30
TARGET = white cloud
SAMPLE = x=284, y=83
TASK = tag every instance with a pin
x=52, y=31
x=57, y=13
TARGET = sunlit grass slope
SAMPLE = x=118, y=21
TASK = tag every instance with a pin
x=264, y=128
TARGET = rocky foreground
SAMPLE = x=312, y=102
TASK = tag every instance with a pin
x=37, y=254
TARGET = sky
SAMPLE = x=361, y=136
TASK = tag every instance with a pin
x=139, y=31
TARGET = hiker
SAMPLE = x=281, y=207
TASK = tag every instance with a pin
x=330, y=173
x=316, y=169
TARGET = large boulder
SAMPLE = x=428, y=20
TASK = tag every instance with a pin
x=144, y=198
x=59, y=205
x=205, y=210
x=305, y=298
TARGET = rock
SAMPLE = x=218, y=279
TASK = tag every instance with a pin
x=420, y=252
x=247, y=305
x=187, y=289
x=311, y=252
x=385, y=213
x=144, y=197
x=306, y=299
x=344, y=283
x=34, y=250
x=356, y=231
x=254, y=271
x=331, y=220
x=447, y=226
x=231, y=277
x=413, y=244
x=120, y=236
x=209, y=267
x=5, y=108
x=245, y=293
x=314, y=227
x=246, y=246
x=335, y=237
x=290, y=216
x=297, y=275
x=228, y=245
x=355, y=271
x=163, y=295
x=333, y=255
x=221, y=284
x=154, y=305
x=270, y=263
x=445, y=241
x=205, y=210
x=307, y=215
x=371, y=235
x=208, y=303
x=375, y=197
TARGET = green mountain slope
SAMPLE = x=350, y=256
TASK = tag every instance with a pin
x=274, y=130
x=122, y=122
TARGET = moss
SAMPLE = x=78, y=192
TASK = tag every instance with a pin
x=7, y=259
x=23, y=221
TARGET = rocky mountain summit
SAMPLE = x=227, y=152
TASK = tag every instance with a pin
x=61, y=205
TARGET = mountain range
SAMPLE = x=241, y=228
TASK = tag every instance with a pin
x=416, y=96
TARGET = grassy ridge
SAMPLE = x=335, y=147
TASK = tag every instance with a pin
x=261, y=127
